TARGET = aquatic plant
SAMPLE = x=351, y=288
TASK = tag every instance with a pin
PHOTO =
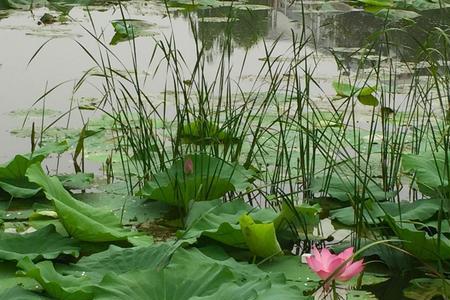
x=250, y=171
x=332, y=267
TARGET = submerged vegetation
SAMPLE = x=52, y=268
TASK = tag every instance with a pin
x=219, y=184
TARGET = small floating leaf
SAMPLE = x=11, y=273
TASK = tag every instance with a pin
x=368, y=100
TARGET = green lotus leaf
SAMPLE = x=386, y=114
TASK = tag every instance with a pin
x=430, y=172
x=220, y=221
x=123, y=260
x=348, y=90
x=304, y=217
x=77, y=181
x=360, y=295
x=56, y=285
x=373, y=213
x=428, y=288
x=43, y=243
x=211, y=178
x=10, y=279
x=19, y=293
x=241, y=270
x=127, y=29
x=345, y=189
x=194, y=276
x=419, y=243
x=216, y=220
x=368, y=100
x=169, y=284
x=82, y=221
x=13, y=180
x=261, y=239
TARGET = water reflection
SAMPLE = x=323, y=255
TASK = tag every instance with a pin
x=247, y=28
x=341, y=26
x=332, y=24
x=218, y=26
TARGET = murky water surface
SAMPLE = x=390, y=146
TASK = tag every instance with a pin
x=335, y=27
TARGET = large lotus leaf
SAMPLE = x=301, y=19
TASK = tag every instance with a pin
x=428, y=288
x=420, y=210
x=199, y=210
x=216, y=220
x=211, y=178
x=260, y=289
x=240, y=270
x=168, y=284
x=77, y=181
x=123, y=260
x=56, y=285
x=12, y=174
x=430, y=171
x=132, y=209
x=345, y=189
x=9, y=279
x=418, y=242
x=304, y=217
x=82, y=221
x=396, y=261
x=445, y=225
x=19, y=293
x=20, y=209
x=292, y=268
x=13, y=180
x=194, y=276
x=43, y=243
x=57, y=147
x=295, y=271
x=220, y=221
x=286, y=292
x=231, y=290
x=261, y=239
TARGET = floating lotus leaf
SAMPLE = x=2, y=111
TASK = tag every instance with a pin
x=211, y=179
x=82, y=221
x=43, y=243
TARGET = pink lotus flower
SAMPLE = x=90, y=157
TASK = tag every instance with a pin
x=188, y=166
x=324, y=264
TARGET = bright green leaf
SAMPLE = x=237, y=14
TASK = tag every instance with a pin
x=82, y=221
x=43, y=243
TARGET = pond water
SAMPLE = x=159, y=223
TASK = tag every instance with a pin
x=333, y=25
x=47, y=47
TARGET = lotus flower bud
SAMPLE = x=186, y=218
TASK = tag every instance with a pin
x=188, y=166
